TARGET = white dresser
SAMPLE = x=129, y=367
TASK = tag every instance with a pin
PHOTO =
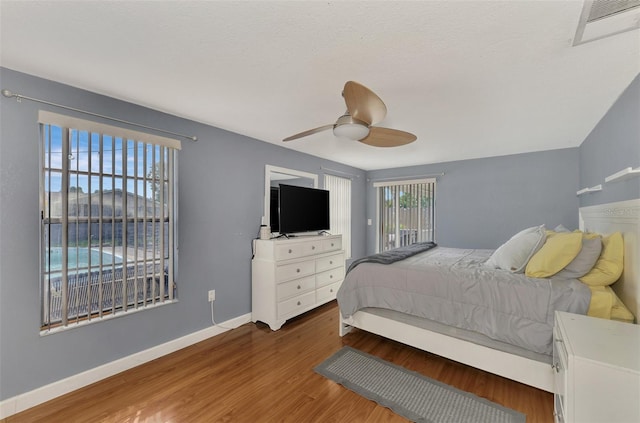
x=291, y=276
x=597, y=365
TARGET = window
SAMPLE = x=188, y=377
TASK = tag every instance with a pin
x=340, y=209
x=107, y=222
x=406, y=213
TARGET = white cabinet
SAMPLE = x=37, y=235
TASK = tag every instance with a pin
x=291, y=276
x=597, y=364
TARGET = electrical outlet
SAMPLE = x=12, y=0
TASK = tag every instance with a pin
x=212, y=295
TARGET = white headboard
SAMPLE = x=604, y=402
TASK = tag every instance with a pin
x=622, y=216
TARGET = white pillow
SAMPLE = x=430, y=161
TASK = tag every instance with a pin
x=514, y=254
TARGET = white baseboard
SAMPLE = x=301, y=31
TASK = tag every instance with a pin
x=48, y=392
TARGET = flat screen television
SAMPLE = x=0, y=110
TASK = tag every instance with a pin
x=302, y=209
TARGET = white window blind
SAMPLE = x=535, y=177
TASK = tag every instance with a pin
x=107, y=222
x=340, y=209
x=406, y=213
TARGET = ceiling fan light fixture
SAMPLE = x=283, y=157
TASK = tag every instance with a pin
x=352, y=131
x=350, y=128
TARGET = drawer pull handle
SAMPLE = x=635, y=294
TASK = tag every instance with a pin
x=330, y=261
x=332, y=244
x=298, y=286
x=330, y=276
x=313, y=247
x=331, y=290
x=299, y=302
x=290, y=251
x=297, y=270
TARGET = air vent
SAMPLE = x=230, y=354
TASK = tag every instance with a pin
x=603, y=18
x=603, y=8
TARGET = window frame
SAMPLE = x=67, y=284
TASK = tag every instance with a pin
x=380, y=185
x=164, y=255
x=346, y=214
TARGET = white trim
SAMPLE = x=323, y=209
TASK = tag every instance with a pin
x=57, y=119
x=377, y=221
x=24, y=401
x=404, y=182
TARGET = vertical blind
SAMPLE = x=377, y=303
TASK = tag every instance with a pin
x=406, y=213
x=340, y=209
x=107, y=220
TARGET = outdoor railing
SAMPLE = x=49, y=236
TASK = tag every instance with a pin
x=91, y=293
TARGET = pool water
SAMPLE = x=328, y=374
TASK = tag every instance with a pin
x=76, y=258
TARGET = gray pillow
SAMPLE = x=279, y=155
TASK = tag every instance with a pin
x=584, y=261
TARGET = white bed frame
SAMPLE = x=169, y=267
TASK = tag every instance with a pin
x=622, y=216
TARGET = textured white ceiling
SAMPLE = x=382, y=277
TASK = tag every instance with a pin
x=469, y=78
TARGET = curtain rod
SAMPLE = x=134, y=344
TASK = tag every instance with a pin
x=400, y=178
x=19, y=97
x=339, y=171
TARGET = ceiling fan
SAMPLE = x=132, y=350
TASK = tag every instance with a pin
x=364, y=108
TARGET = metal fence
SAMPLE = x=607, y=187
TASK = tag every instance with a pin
x=96, y=293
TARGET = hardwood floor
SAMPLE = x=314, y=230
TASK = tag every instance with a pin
x=251, y=374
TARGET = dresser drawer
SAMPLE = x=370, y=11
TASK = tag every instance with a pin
x=295, y=287
x=332, y=244
x=330, y=276
x=326, y=263
x=295, y=305
x=327, y=293
x=288, y=251
x=295, y=270
x=311, y=247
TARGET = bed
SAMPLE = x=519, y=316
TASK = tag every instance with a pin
x=460, y=328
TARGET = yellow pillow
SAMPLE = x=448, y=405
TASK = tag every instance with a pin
x=558, y=251
x=609, y=266
x=601, y=302
x=619, y=311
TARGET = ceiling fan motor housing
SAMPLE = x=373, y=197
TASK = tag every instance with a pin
x=348, y=127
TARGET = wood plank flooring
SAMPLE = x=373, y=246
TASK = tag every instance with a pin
x=251, y=374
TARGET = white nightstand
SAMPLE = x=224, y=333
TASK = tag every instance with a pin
x=597, y=365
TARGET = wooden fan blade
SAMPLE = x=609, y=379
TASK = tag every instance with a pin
x=385, y=137
x=309, y=132
x=363, y=104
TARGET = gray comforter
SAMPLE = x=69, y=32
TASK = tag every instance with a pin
x=452, y=286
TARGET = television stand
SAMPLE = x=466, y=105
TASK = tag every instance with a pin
x=292, y=276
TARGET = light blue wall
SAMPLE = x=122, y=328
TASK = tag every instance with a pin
x=481, y=203
x=613, y=145
x=221, y=187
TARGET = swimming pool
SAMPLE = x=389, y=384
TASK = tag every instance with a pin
x=77, y=257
